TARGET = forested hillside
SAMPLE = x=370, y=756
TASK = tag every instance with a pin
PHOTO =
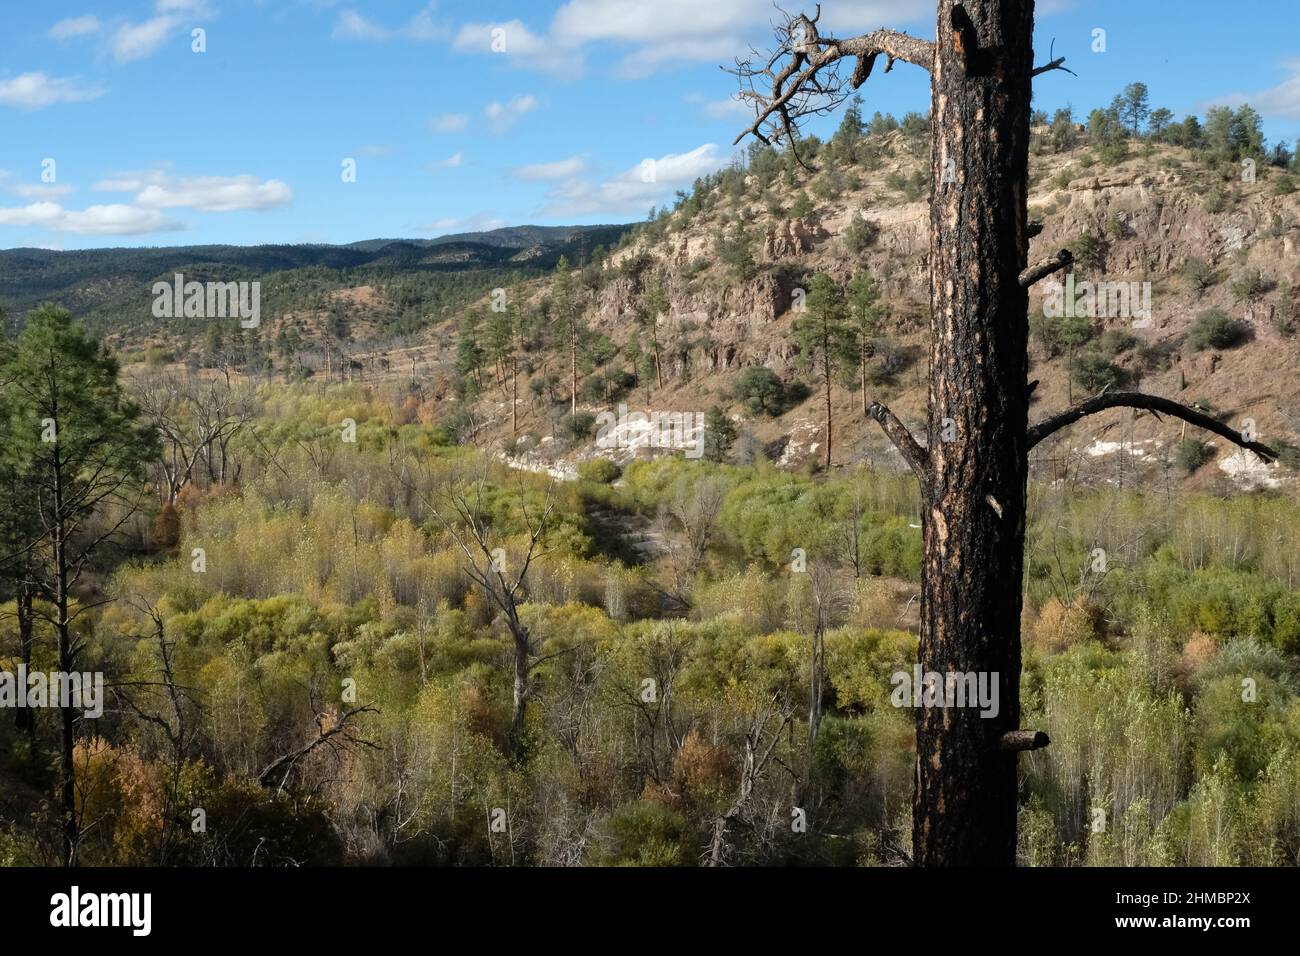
x=423, y=280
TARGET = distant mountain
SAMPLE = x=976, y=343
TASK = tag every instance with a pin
x=509, y=237
x=104, y=286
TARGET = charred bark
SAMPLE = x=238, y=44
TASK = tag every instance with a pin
x=973, y=498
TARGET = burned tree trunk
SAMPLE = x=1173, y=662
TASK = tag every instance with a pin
x=973, y=489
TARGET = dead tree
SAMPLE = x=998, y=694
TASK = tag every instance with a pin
x=973, y=487
x=196, y=420
x=762, y=735
x=461, y=514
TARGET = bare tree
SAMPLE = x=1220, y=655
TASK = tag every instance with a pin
x=817, y=605
x=973, y=488
x=335, y=732
x=196, y=420
x=696, y=508
x=762, y=735
x=460, y=512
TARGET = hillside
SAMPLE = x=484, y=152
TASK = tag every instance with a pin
x=724, y=268
x=732, y=256
x=109, y=288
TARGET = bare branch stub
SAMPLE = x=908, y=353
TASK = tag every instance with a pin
x=1153, y=404
x=1021, y=740
x=801, y=76
x=915, y=456
x=1039, y=270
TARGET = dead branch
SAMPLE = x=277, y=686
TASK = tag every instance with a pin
x=809, y=83
x=325, y=736
x=1150, y=403
x=1017, y=740
x=1054, y=64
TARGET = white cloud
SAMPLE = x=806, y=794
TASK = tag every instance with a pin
x=664, y=32
x=1281, y=101
x=351, y=25
x=649, y=58
x=160, y=190
x=505, y=115
x=561, y=169
x=516, y=44
x=637, y=188
x=135, y=41
x=452, y=161
x=449, y=123
x=74, y=27
x=111, y=220
x=34, y=191
x=730, y=108
x=635, y=21
x=34, y=91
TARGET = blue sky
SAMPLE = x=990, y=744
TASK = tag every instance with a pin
x=155, y=144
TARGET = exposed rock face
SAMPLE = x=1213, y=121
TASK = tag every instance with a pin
x=1149, y=214
x=792, y=237
x=712, y=328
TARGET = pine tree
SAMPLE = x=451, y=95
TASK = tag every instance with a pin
x=863, y=325
x=84, y=449
x=567, y=310
x=654, y=302
x=823, y=334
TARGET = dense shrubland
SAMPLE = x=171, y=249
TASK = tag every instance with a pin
x=333, y=687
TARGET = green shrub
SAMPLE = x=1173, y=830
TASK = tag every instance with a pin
x=1214, y=329
x=644, y=834
x=1089, y=252
x=599, y=471
x=1193, y=453
x=1094, y=372
x=860, y=234
x=761, y=391
x=1116, y=341
x=1113, y=151
x=1198, y=274
x=579, y=426
x=1216, y=200
x=1288, y=454
x=1250, y=285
